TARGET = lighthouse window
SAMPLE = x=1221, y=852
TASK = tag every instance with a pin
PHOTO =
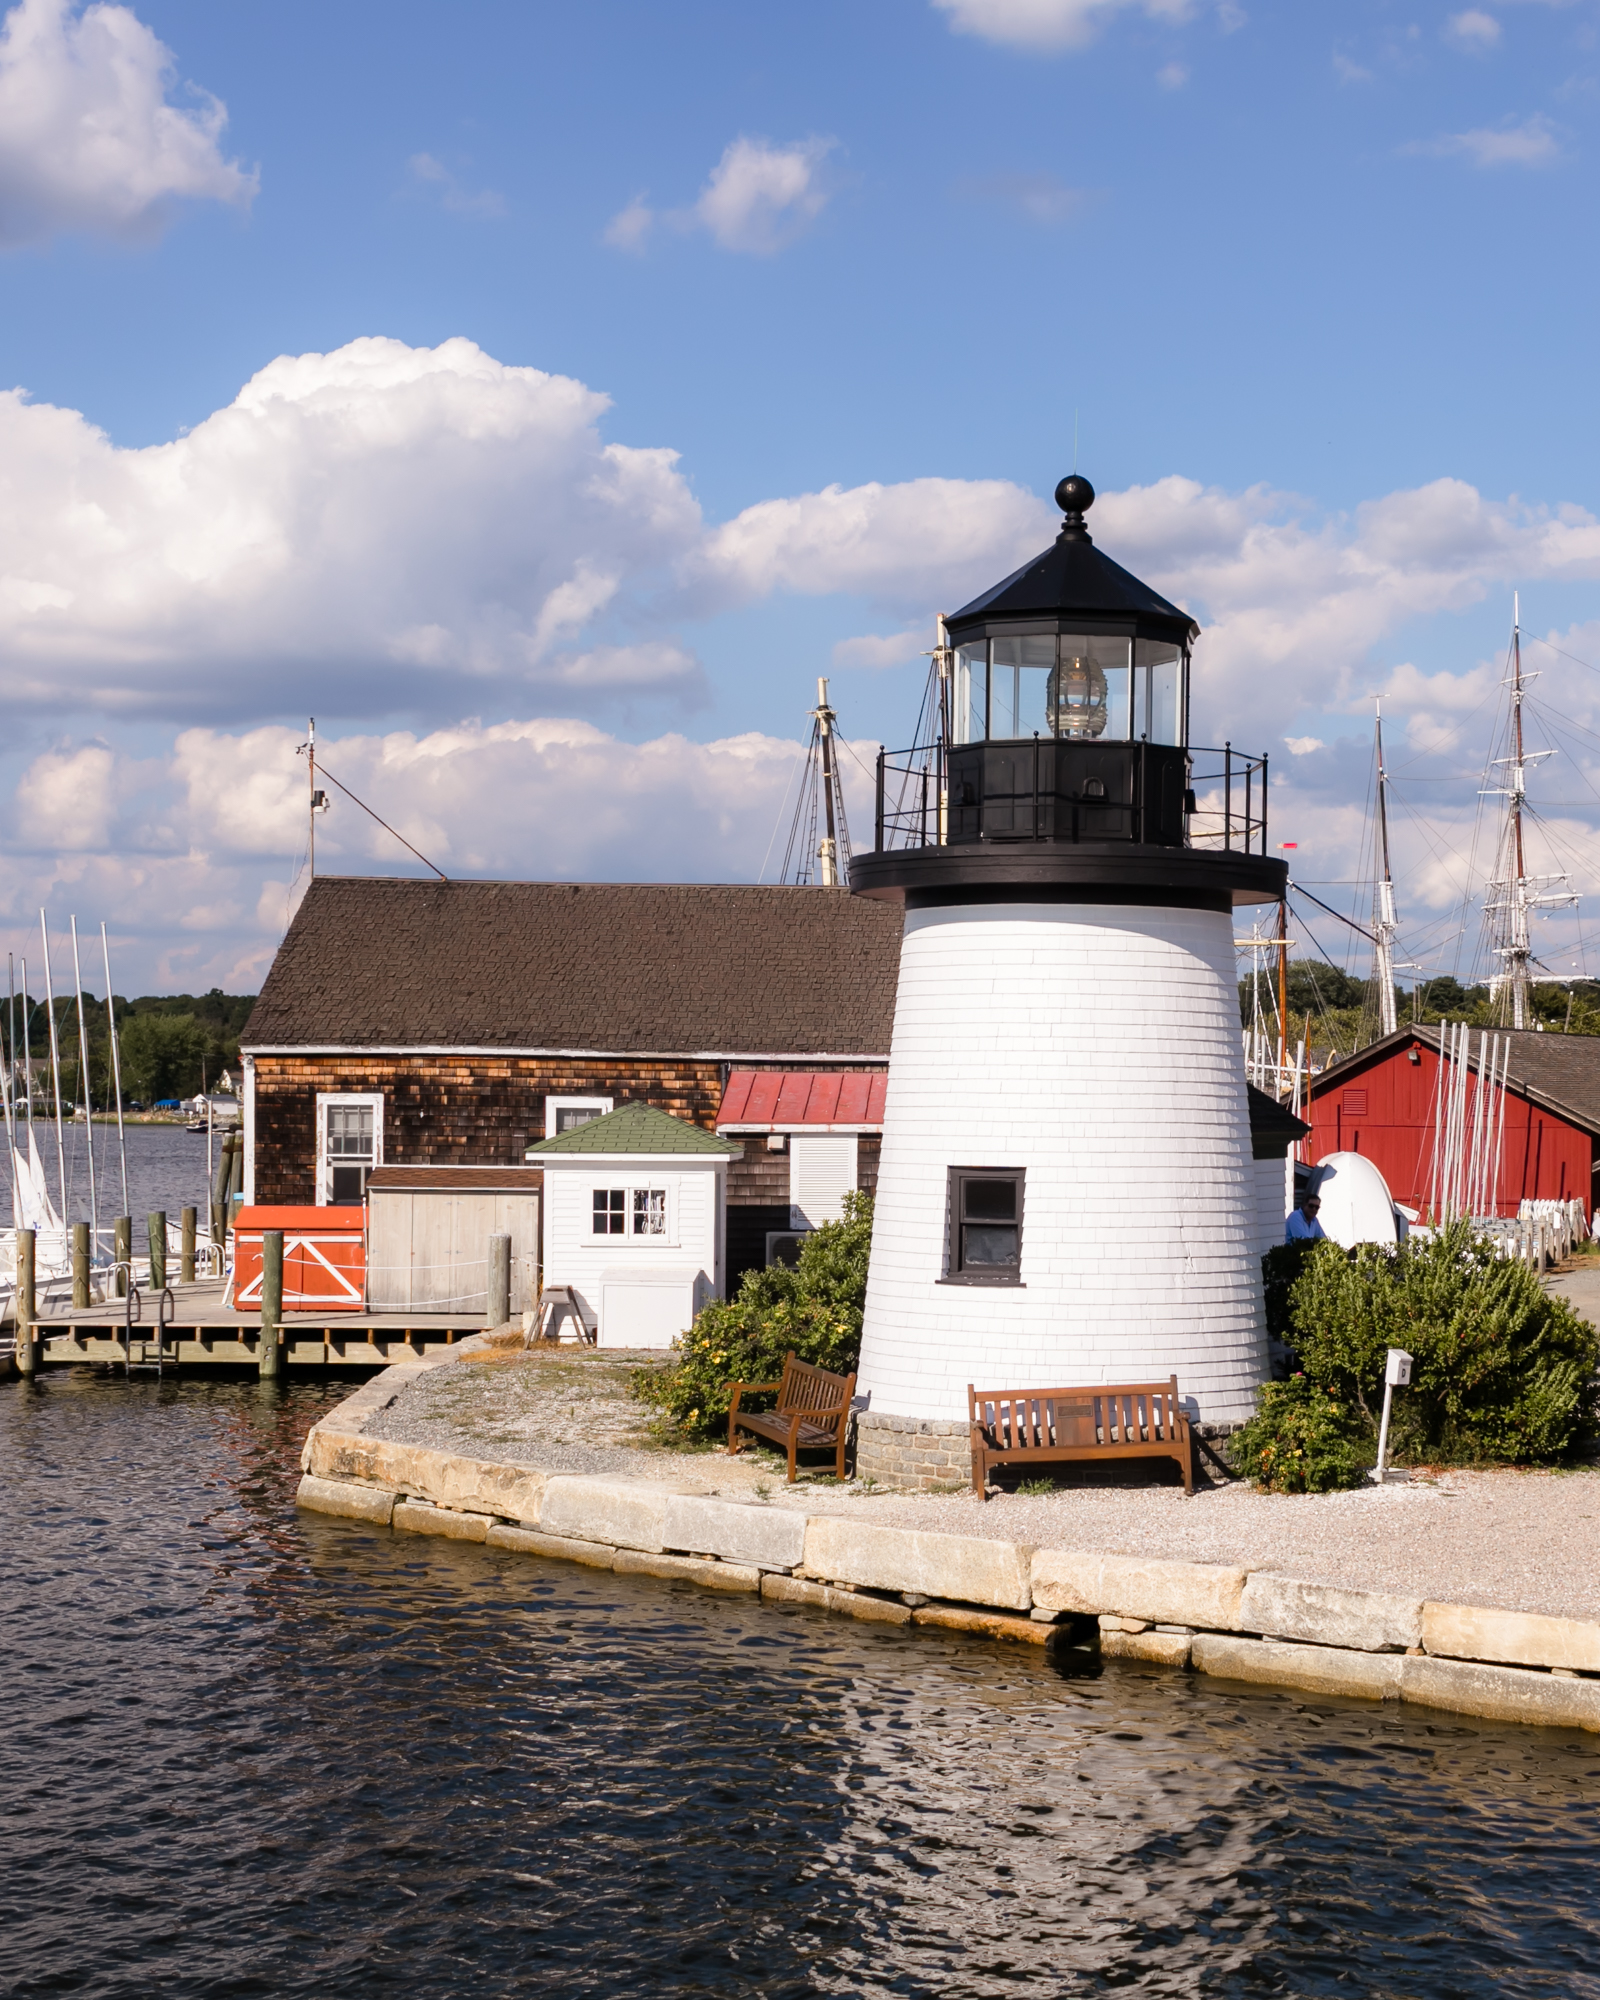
x=1157, y=691
x=985, y=1225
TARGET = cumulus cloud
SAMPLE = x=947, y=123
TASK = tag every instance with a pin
x=88, y=138
x=1533, y=143
x=208, y=842
x=759, y=198
x=1053, y=25
x=450, y=192
x=1474, y=30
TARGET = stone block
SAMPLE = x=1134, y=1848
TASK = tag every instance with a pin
x=1501, y=1694
x=1110, y=1623
x=412, y=1519
x=1314, y=1669
x=627, y=1513
x=1516, y=1638
x=769, y=1537
x=692, y=1569
x=514, y=1492
x=593, y=1555
x=1162, y=1649
x=1363, y=1620
x=351, y=1503
x=987, y=1624
x=1206, y=1595
x=852, y=1603
x=950, y=1567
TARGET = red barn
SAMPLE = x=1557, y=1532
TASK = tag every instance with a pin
x=1381, y=1103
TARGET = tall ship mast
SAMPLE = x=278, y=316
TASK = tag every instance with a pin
x=1514, y=894
x=1384, y=922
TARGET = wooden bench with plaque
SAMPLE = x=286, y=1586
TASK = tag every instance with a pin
x=1036, y=1426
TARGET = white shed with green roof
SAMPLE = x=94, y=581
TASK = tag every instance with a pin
x=634, y=1222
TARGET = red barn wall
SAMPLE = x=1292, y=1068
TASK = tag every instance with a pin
x=1385, y=1110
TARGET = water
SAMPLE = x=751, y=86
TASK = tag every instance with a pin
x=166, y=1170
x=247, y=1752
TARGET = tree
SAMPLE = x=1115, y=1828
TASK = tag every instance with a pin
x=162, y=1055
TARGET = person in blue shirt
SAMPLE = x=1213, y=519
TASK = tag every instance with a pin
x=1303, y=1226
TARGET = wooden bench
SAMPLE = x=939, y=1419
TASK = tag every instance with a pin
x=813, y=1412
x=1036, y=1426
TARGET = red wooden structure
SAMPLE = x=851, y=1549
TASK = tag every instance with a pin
x=324, y=1258
x=1381, y=1104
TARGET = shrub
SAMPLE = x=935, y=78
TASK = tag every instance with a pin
x=1302, y=1439
x=1502, y=1371
x=1280, y=1267
x=813, y=1311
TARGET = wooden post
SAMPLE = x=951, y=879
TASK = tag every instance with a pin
x=122, y=1252
x=80, y=1265
x=269, y=1355
x=157, y=1226
x=26, y=1303
x=498, y=1309
x=219, y=1226
x=191, y=1220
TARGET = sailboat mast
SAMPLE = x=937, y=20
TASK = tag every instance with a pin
x=55, y=1066
x=116, y=1067
x=828, y=852
x=311, y=804
x=1384, y=925
x=88, y=1099
x=1521, y=940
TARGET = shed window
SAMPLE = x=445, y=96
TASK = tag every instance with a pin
x=350, y=1145
x=1354, y=1102
x=985, y=1246
x=649, y=1211
x=566, y=1114
x=610, y=1211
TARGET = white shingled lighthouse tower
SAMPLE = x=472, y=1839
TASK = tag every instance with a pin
x=1066, y=1194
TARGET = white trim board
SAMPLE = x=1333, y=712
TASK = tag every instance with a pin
x=797, y=1058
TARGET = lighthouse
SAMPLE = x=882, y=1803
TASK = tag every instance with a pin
x=1066, y=1193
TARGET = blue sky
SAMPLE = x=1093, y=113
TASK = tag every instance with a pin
x=1315, y=283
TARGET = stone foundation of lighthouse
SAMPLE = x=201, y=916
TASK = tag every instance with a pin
x=1095, y=1045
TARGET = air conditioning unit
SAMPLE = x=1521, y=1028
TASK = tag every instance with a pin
x=783, y=1246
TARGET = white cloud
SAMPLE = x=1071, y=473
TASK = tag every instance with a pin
x=1473, y=30
x=1302, y=746
x=88, y=139
x=451, y=193
x=760, y=197
x=1533, y=143
x=1040, y=197
x=1349, y=72
x=1172, y=76
x=1051, y=25
x=876, y=651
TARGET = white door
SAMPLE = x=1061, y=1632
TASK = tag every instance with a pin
x=822, y=1171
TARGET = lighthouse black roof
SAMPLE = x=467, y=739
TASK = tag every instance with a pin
x=1072, y=581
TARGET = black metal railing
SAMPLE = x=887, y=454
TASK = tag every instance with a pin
x=1046, y=789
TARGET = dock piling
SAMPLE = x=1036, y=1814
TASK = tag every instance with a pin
x=498, y=1309
x=191, y=1222
x=122, y=1251
x=157, y=1224
x=269, y=1356
x=80, y=1265
x=27, y=1303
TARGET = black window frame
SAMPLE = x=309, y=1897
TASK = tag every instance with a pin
x=957, y=1271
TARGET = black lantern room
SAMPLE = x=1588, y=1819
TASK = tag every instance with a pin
x=1060, y=752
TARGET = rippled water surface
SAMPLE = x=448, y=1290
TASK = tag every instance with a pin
x=246, y=1752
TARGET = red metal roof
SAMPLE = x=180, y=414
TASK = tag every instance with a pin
x=773, y=1100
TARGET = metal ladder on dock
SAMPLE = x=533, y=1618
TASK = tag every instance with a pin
x=133, y=1315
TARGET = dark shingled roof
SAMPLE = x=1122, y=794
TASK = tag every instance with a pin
x=624, y=968
x=1273, y=1126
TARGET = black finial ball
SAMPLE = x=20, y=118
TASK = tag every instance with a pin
x=1074, y=495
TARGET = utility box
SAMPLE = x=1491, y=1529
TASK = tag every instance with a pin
x=428, y=1231
x=324, y=1258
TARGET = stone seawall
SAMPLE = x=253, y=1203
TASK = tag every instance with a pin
x=1227, y=1621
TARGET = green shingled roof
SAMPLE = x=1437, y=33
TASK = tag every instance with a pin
x=635, y=1128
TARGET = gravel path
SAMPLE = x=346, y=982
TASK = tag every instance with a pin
x=1525, y=1541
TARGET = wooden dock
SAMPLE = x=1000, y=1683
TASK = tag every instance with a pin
x=203, y=1332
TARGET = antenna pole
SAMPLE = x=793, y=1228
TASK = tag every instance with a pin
x=1384, y=925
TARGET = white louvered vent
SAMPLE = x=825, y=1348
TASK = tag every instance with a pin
x=822, y=1171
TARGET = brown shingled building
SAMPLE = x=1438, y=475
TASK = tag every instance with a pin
x=453, y=1024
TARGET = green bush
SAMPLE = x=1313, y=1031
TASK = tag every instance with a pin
x=1280, y=1267
x=1302, y=1439
x=813, y=1312
x=1503, y=1373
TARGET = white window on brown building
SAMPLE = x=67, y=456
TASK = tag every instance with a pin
x=349, y=1145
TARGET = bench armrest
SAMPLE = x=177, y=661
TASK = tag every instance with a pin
x=752, y=1388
